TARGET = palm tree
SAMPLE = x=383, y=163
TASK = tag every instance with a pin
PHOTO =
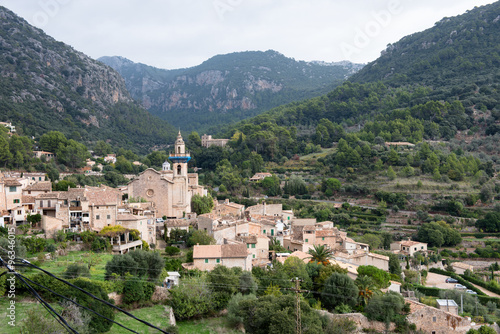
x=321, y=254
x=366, y=287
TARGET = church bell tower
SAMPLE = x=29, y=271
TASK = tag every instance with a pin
x=180, y=157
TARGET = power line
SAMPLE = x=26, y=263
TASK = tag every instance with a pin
x=46, y=305
x=23, y=261
x=84, y=307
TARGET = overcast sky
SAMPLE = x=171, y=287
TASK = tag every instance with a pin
x=184, y=33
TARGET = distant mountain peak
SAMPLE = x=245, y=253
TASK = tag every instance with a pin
x=227, y=87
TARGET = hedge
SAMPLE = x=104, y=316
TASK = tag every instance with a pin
x=433, y=292
x=482, y=284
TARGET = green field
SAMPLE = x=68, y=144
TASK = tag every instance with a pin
x=155, y=315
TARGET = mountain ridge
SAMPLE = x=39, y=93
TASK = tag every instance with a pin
x=227, y=87
x=47, y=85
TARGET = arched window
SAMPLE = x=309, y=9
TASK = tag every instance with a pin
x=178, y=169
x=179, y=149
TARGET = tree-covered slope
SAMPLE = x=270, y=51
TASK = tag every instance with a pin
x=227, y=88
x=47, y=85
x=459, y=58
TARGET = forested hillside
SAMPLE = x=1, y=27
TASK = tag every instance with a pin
x=453, y=97
x=47, y=85
x=227, y=88
x=458, y=58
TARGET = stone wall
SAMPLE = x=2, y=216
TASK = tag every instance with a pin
x=360, y=320
x=51, y=224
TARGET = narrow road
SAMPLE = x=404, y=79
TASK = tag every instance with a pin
x=438, y=281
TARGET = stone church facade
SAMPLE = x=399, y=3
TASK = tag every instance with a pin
x=170, y=189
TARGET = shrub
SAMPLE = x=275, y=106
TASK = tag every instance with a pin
x=339, y=289
x=76, y=270
x=384, y=307
x=171, y=250
x=51, y=248
x=133, y=291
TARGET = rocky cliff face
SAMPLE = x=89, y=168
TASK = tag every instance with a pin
x=227, y=88
x=47, y=85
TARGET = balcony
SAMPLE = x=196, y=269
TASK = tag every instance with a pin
x=123, y=248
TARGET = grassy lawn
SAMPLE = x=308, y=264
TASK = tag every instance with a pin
x=59, y=265
x=21, y=308
x=155, y=315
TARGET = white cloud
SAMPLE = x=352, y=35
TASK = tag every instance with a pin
x=175, y=33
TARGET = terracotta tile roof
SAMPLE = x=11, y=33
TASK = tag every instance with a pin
x=103, y=195
x=207, y=251
x=325, y=233
x=128, y=217
x=301, y=255
x=177, y=222
x=52, y=195
x=27, y=199
x=40, y=186
x=12, y=182
x=247, y=239
x=410, y=243
x=232, y=251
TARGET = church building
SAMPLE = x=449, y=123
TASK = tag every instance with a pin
x=170, y=189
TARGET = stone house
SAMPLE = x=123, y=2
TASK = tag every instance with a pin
x=227, y=208
x=80, y=209
x=408, y=247
x=264, y=209
x=12, y=191
x=258, y=246
x=207, y=141
x=140, y=223
x=436, y=321
x=170, y=190
x=206, y=257
x=260, y=176
x=180, y=224
x=37, y=188
x=45, y=154
x=208, y=222
x=364, y=259
x=232, y=230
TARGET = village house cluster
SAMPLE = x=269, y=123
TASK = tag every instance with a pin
x=243, y=235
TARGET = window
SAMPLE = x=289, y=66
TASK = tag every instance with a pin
x=16, y=200
x=307, y=240
x=253, y=256
x=218, y=260
x=206, y=260
x=264, y=231
x=433, y=319
x=323, y=238
x=19, y=212
x=248, y=245
x=253, y=245
x=422, y=247
x=109, y=217
x=39, y=178
x=97, y=217
x=12, y=189
x=415, y=248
